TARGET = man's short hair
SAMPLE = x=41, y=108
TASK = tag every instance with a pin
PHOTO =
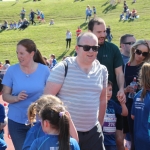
x=94, y=21
x=123, y=38
x=1, y=85
x=88, y=34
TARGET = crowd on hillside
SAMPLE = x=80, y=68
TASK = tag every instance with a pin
x=92, y=101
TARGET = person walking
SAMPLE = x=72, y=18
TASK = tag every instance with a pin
x=83, y=91
x=68, y=39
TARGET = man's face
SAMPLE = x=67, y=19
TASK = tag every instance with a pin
x=127, y=45
x=86, y=57
x=100, y=32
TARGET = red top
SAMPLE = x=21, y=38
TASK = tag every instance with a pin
x=78, y=32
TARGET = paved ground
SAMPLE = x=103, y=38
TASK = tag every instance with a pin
x=8, y=141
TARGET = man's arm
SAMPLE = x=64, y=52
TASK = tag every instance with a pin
x=102, y=106
x=52, y=88
x=120, y=82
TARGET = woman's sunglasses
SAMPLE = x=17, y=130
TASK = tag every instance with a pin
x=139, y=52
x=87, y=48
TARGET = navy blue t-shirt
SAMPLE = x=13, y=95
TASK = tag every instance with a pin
x=141, y=113
x=2, y=113
x=109, y=126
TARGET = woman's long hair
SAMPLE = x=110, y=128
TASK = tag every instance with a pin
x=144, y=79
x=59, y=121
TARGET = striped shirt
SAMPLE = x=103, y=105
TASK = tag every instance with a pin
x=80, y=91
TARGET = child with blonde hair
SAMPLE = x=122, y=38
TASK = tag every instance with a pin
x=34, y=119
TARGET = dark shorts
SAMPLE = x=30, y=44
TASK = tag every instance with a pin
x=122, y=123
x=92, y=140
x=94, y=12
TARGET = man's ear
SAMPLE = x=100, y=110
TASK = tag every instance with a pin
x=77, y=48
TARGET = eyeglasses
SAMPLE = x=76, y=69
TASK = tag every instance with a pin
x=139, y=52
x=130, y=43
x=87, y=48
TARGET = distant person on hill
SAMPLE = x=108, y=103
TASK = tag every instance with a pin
x=19, y=23
x=78, y=32
x=52, y=61
x=38, y=14
x=125, y=8
x=22, y=14
x=122, y=16
x=42, y=17
x=4, y=25
x=68, y=39
x=51, y=22
x=11, y=26
x=134, y=1
x=88, y=13
x=134, y=13
x=32, y=16
x=3, y=121
x=112, y=2
x=94, y=11
x=109, y=35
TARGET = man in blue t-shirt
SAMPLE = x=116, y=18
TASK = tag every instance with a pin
x=109, y=126
x=3, y=145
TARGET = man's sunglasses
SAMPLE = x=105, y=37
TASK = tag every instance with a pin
x=87, y=48
x=130, y=43
x=139, y=52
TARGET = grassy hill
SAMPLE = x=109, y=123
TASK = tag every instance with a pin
x=67, y=14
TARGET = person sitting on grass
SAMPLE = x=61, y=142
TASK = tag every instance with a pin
x=11, y=26
x=122, y=16
x=25, y=24
x=3, y=121
x=4, y=25
x=51, y=22
x=133, y=13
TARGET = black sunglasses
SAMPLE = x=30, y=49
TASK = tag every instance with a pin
x=87, y=48
x=139, y=52
x=130, y=43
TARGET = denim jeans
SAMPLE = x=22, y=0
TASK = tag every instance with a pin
x=17, y=132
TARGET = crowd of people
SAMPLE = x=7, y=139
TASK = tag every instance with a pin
x=92, y=101
x=127, y=14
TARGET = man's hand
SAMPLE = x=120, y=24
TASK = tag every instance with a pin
x=121, y=96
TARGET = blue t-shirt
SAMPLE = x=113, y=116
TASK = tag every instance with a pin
x=33, y=84
x=50, y=142
x=109, y=126
x=34, y=133
x=141, y=113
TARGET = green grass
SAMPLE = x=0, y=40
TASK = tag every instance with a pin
x=67, y=14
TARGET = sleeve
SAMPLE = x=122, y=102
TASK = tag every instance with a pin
x=74, y=145
x=57, y=74
x=7, y=80
x=117, y=58
x=34, y=145
x=117, y=107
x=2, y=114
x=105, y=77
x=30, y=137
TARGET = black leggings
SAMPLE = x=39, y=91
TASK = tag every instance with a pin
x=68, y=42
x=32, y=20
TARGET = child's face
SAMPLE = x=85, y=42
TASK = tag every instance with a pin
x=109, y=92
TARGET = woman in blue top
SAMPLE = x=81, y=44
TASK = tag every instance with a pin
x=55, y=123
x=23, y=84
x=141, y=111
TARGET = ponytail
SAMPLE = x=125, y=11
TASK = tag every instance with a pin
x=32, y=113
x=64, y=135
x=38, y=57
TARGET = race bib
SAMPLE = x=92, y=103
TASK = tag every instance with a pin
x=109, y=125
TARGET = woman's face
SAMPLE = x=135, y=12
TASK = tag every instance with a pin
x=23, y=56
x=138, y=55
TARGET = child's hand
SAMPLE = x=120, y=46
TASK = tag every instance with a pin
x=122, y=101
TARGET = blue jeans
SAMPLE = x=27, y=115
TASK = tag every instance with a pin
x=18, y=133
x=110, y=147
